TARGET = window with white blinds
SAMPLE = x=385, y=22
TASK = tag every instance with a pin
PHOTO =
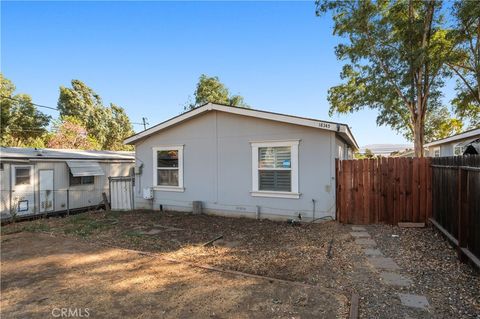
x=275, y=169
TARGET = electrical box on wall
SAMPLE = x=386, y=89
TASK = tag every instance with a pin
x=138, y=170
x=148, y=193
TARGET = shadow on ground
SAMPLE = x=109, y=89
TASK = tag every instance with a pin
x=41, y=273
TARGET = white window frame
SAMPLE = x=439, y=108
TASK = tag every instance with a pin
x=455, y=147
x=293, y=144
x=179, y=149
x=30, y=173
x=435, y=149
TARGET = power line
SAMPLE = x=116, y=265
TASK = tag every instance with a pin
x=27, y=130
x=144, y=122
x=38, y=105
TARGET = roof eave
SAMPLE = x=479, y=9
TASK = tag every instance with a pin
x=324, y=125
x=461, y=136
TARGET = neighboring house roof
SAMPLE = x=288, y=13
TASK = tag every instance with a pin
x=473, y=147
x=406, y=153
x=467, y=134
x=13, y=153
x=385, y=149
x=342, y=129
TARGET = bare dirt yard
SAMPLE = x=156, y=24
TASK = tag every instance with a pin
x=87, y=261
x=42, y=274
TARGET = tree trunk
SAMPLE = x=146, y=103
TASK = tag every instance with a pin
x=418, y=136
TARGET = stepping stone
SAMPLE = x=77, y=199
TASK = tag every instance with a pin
x=365, y=242
x=358, y=228
x=372, y=252
x=414, y=301
x=386, y=263
x=361, y=234
x=395, y=279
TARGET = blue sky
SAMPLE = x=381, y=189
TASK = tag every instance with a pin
x=147, y=56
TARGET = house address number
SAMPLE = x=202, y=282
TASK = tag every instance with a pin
x=324, y=125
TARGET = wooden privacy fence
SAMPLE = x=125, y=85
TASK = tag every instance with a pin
x=456, y=202
x=384, y=190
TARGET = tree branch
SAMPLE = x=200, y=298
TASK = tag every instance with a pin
x=395, y=85
x=468, y=68
x=472, y=91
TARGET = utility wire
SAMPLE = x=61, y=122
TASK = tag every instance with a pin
x=38, y=105
x=56, y=109
x=27, y=130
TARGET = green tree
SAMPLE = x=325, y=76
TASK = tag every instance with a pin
x=467, y=67
x=78, y=101
x=369, y=153
x=120, y=128
x=396, y=52
x=440, y=124
x=21, y=123
x=109, y=126
x=211, y=90
x=6, y=94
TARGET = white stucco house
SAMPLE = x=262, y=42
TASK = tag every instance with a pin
x=240, y=162
x=455, y=145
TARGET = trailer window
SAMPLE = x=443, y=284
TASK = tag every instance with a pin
x=22, y=176
x=81, y=180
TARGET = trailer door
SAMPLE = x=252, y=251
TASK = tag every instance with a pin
x=23, y=196
x=45, y=190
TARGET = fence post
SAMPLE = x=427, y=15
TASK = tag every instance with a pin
x=68, y=202
x=462, y=214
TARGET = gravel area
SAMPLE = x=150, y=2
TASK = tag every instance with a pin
x=324, y=254
x=451, y=287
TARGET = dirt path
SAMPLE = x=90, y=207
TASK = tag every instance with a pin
x=42, y=273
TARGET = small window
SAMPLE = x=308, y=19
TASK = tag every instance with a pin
x=275, y=169
x=436, y=152
x=168, y=167
x=81, y=180
x=22, y=176
x=458, y=150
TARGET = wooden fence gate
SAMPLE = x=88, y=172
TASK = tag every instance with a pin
x=384, y=190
